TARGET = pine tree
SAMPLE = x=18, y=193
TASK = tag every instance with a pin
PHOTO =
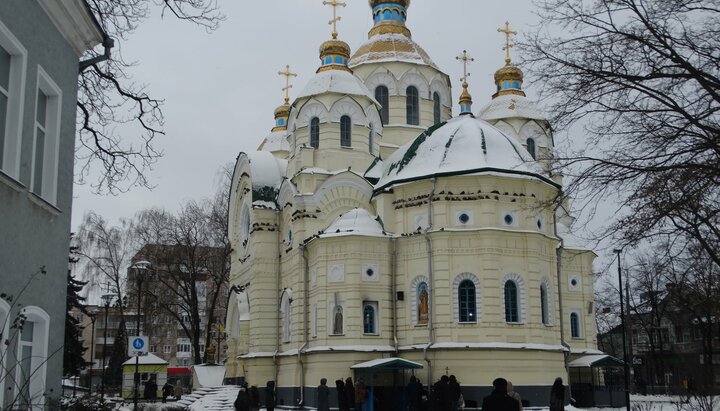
x=73, y=360
x=114, y=372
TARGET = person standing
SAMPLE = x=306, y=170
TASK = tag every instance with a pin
x=454, y=391
x=323, y=396
x=242, y=402
x=414, y=392
x=349, y=394
x=514, y=395
x=557, y=395
x=360, y=394
x=499, y=400
x=167, y=391
x=270, y=396
x=179, y=391
x=341, y=397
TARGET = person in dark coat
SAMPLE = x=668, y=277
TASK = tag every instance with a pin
x=323, y=396
x=152, y=390
x=360, y=393
x=167, y=390
x=441, y=395
x=341, y=395
x=349, y=394
x=270, y=396
x=242, y=402
x=254, y=398
x=557, y=395
x=414, y=393
x=454, y=393
x=499, y=400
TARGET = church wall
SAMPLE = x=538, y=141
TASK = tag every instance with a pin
x=577, y=264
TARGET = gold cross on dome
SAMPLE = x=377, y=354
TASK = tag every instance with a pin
x=465, y=58
x=508, y=43
x=287, y=74
x=334, y=4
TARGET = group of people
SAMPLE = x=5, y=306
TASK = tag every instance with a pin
x=504, y=397
x=248, y=398
x=349, y=395
x=168, y=390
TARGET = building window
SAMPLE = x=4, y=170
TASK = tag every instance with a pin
x=167, y=349
x=32, y=351
x=423, y=301
x=531, y=148
x=544, y=304
x=183, y=348
x=371, y=139
x=46, y=138
x=315, y=132
x=679, y=334
x=574, y=325
x=412, y=105
x=12, y=85
x=436, y=107
x=345, y=131
x=466, y=297
x=382, y=97
x=512, y=309
x=370, y=318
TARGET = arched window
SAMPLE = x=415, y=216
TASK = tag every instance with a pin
x=382, y=96
x=423, y=303
x=544, y=304
x=574, y=325
x=436, y=107
x=286, y=310
x=531, y=148
x=466, y=297
x=412, y=105
x=337, y=320
x=345, y=131
x=32, y=351
x=369, y=318
x=371, y=138
x=315, y=132
x=512, y=309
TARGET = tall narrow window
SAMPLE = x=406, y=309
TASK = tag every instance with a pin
x=512, y=314
x=5, y=59
x=544, y=304
x=371, y=138
x=369, y=319
x=412, y=106
x=46, y=135
x=574, y=325
x=382, y=97
x=466, y=297
x=315, y=132
x=436, y=107
x=13, y=60
x=345, y=131
x=40, y=132
x=531, y=148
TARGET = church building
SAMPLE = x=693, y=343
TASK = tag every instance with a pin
x=372, y=231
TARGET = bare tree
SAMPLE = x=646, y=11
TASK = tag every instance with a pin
x=110, y=102
x=642, y=77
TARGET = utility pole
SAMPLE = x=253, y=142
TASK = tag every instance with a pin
x=624, y=332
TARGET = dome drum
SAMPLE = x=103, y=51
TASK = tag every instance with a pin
x=334, y=54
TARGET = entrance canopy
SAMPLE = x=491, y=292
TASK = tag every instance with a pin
x=594, y=361
x=387, y=364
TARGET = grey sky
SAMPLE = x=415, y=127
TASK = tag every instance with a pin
x=221, y=88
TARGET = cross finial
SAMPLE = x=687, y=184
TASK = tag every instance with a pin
x=287, y=74
x=465, y=58
x=334, y=4
x=508, y=41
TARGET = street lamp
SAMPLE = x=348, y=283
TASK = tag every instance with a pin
x=626, y=366
x=93, y=316
x=107, y=300
x=140, y=267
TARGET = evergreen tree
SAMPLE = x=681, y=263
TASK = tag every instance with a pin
x=114, y=374
x=73, y=360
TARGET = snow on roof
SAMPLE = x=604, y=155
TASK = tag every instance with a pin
x=219, y=398
x=336, y=81
x=375, y=169
x=594, y=360
x=463, y=145
x=266, y=169
x=209, y=375
x=276, y=141
x=390, y=47
x=150, y=359
x=355, y=222
x=585, y=351
x=499, y=345
x=510, y=105
x=394, y=363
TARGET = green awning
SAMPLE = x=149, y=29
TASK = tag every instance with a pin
x=595, y=361
x=388, y=364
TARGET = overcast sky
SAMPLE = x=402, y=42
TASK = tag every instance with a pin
x=221, y=88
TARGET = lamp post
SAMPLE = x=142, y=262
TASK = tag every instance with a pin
x=140, y=266
x=107, y=300
x=93, y=316
x=626, y=366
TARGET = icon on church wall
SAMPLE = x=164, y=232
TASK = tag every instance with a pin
x=422, y=308
x=338, y=320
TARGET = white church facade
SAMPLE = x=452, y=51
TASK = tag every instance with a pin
x=371, y=224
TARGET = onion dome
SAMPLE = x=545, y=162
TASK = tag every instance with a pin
x=390, y=39
x=334, y=55
x=464, y=145
x=509, y=80
x=281, y=117
x=465, y=101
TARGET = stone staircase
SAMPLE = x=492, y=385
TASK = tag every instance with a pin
x=211, y=398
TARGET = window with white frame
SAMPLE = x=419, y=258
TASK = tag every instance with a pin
x=32, y=352
x=46, y=138
x=167, y=349
x=183, y=348
x=575, y=330
x=13, y=60
x=370, y=317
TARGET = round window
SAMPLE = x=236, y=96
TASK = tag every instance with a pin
x=508, y=219
x=369, y=272
x=464, y=218
x=539, y=224
x=574, y=282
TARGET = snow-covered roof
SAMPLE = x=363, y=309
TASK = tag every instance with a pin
x=276, y=141
x=355, y=222
x=375, y=169
x=150, y=359
x=597, y=360
x=463, y=145
x=209, y=375
x=392, y=363
x=583, y=350
x=336, y=81
x=510, y=105
x=390, y=47
x=266, y=169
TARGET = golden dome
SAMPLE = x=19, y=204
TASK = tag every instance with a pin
x=465, y=100
x=509, y=80
x=375, y=3
x=334, y=55
x=391, y=47
x=282, y=114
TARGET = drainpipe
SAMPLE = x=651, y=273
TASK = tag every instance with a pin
x=279, y=296
x=108, y=43
x=306, y=292
x=426, y=233
x=393, y=274
x=558, y=253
